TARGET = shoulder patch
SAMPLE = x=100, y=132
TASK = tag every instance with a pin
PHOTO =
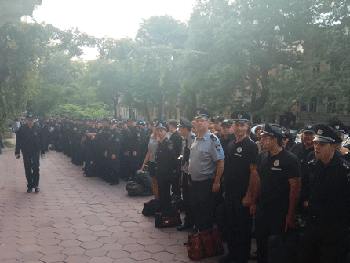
x=213, y=137
x=217, y=147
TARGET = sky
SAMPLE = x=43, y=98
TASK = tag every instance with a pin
x=113, y=18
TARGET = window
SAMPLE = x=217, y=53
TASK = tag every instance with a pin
x=313, y=105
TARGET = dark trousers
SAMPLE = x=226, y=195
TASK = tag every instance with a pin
x=202, y=204
x=31, y=167
x=164, y=194
x=114, y=170
x=325, y=241
x=267, y=224
x=175, y=186
x=239, y=225
x=187, y=199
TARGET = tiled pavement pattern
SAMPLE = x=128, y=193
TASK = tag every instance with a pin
x=77, y=219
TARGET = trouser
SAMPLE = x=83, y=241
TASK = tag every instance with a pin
x=202, y=204
x=175, y=186
x=325, y=241
x=135, y=164
x=31, y=167
x=114, y=170
x=267, y=224
x=186, y=179
x=151, y=170
x=239, y=225
x=164, y=194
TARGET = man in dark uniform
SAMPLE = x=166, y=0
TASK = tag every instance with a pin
x=302, y=151
x=124, y=158
x=341, y=130
x=217, y=125
x=30, y=140
x=185, y=131
x=164, y=166
x=279, y=172
x=241, y=183
x=134, y=147
x=176, y=139
x=227, y=134
x=328, y=196
x=101, y=140
x=113, y=152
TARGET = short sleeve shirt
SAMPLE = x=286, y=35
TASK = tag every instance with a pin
x=152, y=146
x=274, y=172
x=205, y=152
x=239, y=157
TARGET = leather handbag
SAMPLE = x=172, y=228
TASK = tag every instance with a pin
x=204, y=244
x=167, y=218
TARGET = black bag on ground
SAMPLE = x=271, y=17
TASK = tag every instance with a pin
x=286, y=248
x=144, y=178
x=151, y=208
x=134, y=189
x=177, y=203
x=167, y=218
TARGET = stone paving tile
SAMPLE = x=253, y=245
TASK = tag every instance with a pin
x=75, y=219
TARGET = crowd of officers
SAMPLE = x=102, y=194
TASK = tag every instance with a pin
x=249, y=184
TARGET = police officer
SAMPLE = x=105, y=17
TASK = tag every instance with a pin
x=279, y=172
x=341, y=130
x=113, y=152
x=227, y=134
x=327, y=226
x=206, y=166
x=176, y=139
x=165, y=164
x=302, y=151
x=185, y=131
x=217, y=125
x=241, y=181
x=30, y=140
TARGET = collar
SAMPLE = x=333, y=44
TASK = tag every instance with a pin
x=190, y=135
x=205, y=136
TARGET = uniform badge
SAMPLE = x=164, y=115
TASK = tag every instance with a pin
x=319, y=132
x=239, y=149
x=198, y=112
x=337, y=127
x=117, y=139
x=239, y=116
x=276, y=163
x=218, y=147
x=309, y=127
x=170, y=147
x=138, y=134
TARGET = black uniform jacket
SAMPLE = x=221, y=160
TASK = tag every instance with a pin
x=177, y=142
x=328, y=189
x=30, y=140
x=165, y=160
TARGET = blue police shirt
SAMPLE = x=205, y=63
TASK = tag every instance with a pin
x=205, y=152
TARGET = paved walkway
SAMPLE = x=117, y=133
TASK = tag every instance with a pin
x=77, y=219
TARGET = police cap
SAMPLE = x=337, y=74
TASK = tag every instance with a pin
x=240, y=117
x=227, y=122
x=273, y=131
x=30, y=117
x=163, y=126
x=113, y=121
x=326, y=134
x=201, y=112
x=185, y=123
x=105, y=119
x=309, y=129
x=339, y=127
x=173, y=123
x=219, y=119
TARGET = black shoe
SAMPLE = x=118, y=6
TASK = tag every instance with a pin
x=29, y=190
x=227, y=259
x=254, y=256
x=37, y=190
x=184, y=227
x=114, y=183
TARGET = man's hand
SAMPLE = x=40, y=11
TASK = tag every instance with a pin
x=105, y=154
x=247, y=200
x=344, y=151
x=113, y=156
x=290, y=221
x=216, y=186
x=306, y=204
x=253, y=209
x=126, y=153
x=43, y=156
x=134, y=153
x=18, y=156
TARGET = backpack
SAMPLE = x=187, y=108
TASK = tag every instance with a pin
x=151, y=208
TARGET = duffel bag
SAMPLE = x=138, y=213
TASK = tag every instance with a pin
x=167, y=218
x=151, y=208
x=134, y=189
x=204, y=244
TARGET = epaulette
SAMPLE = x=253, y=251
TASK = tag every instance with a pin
x=193, y=136
x=213, y=137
